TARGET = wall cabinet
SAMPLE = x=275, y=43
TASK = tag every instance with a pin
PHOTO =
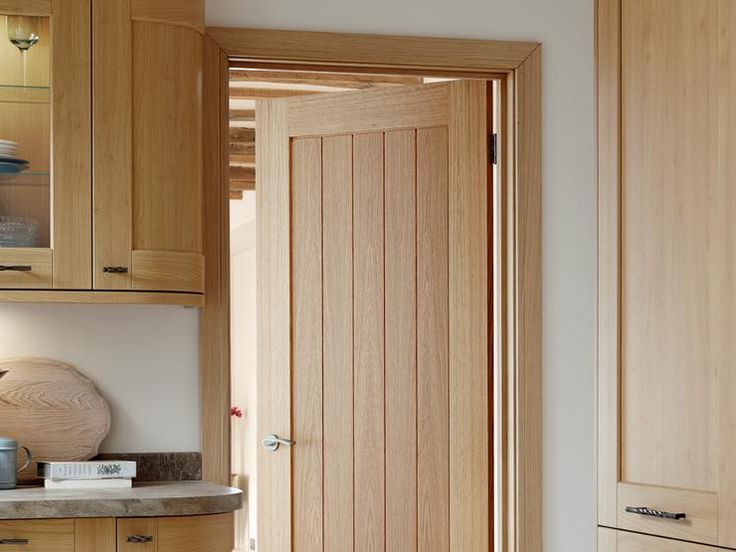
x=667, y=273
x=108, y=112
x=207, y=533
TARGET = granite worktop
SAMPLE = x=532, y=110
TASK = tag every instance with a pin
x=146, y=499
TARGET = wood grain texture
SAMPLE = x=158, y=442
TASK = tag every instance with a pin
x=606, y=540
x=95, y=535
x=274, y=322
x=369, y=342
x=215, y=318
x=213, y=533
x=608, y=38
x=194, y=300
x=469, y=365
x=433, y=485
x=41, y=263
x=168, y=271
x=701, y=509
x=371, y=51
x=528, y=305
x=26, y=7
x=672, y=203
x=381, y=109
x=53, y=410
x=400, y=227
x=307, y=376
x=340, y=80
x=167, y=166
x=187, y=13
x=42, y=535
x=722, y=210
x=633, y=542
x=72, y=146
x=137, y=527
x=337, y=262
x=112, y=161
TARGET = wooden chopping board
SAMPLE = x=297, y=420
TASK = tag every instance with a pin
x=52, y=409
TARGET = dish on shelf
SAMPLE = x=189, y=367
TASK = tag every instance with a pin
x=18, y=232
x=12, y=166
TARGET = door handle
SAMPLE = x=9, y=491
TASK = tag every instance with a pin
x=272, y=443
x=15, y=268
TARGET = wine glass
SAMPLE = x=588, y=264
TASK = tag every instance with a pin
x=22, y=31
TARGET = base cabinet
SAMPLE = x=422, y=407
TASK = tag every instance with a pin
x=610, y=540
x=206, y=533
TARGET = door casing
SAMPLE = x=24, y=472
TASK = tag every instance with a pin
x=516, y=252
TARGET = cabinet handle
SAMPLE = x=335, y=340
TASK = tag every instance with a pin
x=18, y=542
x=15, y=268
x=115, y=269
x=644, y=511
x=139, y=538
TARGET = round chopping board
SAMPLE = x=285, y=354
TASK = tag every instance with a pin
x=52, y=409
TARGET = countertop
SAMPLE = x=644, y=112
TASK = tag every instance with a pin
x=148, y=499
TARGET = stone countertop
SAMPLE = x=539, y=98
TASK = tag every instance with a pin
x=149, y=499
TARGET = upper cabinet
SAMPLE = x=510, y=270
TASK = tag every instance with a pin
x=106, y=108
x=45, y=145
x=667, y=273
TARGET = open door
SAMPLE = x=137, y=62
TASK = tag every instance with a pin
x=374, y=321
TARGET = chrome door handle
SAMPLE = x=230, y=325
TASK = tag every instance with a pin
x=272, y=443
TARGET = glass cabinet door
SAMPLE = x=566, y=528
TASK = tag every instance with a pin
x=25, y=131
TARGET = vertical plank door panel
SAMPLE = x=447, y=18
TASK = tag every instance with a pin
x=368, y=304
x=401, y=341
x=306, y=213
x=337, y=254
x=432, y=342
x=95, y=535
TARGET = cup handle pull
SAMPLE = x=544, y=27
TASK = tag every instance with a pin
x=29, y=458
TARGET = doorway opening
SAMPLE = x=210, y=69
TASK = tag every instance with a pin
x=249, y=82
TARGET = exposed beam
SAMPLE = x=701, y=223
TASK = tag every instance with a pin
x=242, y=116
x=243, y=159
x=242, y=185
x=242, y=173
x=315, y=78
x=236, y=195
x=252, y=93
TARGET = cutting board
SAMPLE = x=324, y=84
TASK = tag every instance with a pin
x=52, y=409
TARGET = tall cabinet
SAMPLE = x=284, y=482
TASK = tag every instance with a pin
x=667, y=274
x=106, y=109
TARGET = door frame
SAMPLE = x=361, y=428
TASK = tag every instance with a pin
x=517, y=255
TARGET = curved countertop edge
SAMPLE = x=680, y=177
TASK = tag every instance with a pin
x=150, y=499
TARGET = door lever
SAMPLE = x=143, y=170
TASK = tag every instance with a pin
x=272, y=443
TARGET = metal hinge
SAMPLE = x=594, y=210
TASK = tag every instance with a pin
x=493, y=149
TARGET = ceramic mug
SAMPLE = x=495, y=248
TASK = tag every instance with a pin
x=9, y=462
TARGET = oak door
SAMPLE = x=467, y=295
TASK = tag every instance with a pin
x=667, y=446
x=373, y=330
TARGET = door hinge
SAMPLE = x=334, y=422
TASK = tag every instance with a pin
x=493, y=149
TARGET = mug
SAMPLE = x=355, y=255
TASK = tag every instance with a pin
x=9, y=462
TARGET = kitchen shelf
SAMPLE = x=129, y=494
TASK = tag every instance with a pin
x=14, y=93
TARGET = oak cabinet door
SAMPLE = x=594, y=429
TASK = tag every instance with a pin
x=148, y=212
x=45, y=199
x=667, y=288
x=210, y=533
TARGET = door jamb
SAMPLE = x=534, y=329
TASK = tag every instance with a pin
x=517, y=263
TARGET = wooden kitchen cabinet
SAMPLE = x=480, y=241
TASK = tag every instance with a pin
x=114, y=89
x=667, y=271
x=205, y=533
x=610, y=540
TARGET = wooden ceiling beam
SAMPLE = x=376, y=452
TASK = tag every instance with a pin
x=254, y=93
x=315, y=78
x=242, y=115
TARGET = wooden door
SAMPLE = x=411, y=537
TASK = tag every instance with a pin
x=667, y=273
x=373, y=351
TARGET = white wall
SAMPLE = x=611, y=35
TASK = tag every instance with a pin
x=565, y=27
x=143, y=359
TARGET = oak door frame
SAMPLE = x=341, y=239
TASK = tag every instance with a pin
x=517, y=251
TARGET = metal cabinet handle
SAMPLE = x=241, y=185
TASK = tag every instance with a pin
x=139, y=538
x=17, y=542
x=15, y=268
x=115, y=269
x=644, y=511
x=272, y=443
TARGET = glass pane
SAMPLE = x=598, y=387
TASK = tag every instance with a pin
x=25, y=132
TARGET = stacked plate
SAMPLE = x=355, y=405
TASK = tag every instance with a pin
x=9, y=162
